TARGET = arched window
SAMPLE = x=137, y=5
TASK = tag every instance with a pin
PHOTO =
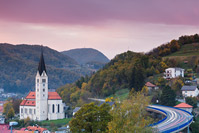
x=58, y=108
x=53, y=108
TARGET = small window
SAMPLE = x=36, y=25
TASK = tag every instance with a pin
x=43, y=80
x=37, y=80
x=43, y=85
x=53, y=108
x=43, y=90
x=21, y=110
x=34, y=111
x=43, y=95
x=26, y=111
x=30, y=111
x=58, y=108
x=37, y=90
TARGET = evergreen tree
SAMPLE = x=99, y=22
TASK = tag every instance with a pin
x=168, y=96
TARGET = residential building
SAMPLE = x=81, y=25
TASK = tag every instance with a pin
x=151, y=86
x=173, y=73
x=185, y=106
x=189, y=91
x=41, y=104
x=75, y=110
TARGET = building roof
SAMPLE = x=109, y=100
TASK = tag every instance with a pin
x=76, y=109
x=36, y=128
x=42, y=66
x=188, y=88
x=51, y=96
x=148, y=84
x=109, y=103
x=31, y=95
x=28, y=103
x=183, y=105
x=176, y=68
x=1, y=108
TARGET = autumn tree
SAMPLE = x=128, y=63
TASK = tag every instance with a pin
x=91, y=118
x=130, y=115
x=8, y=110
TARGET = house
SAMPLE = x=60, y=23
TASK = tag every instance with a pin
x=75, y=110
x=185, y=106
x=189, y=91
x=173, y=73
x=40, y=104
x=151, y=86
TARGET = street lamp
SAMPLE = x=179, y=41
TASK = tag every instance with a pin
x=13, y=123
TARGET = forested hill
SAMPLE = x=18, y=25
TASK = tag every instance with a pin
x=174, y=45
x=86, y=55
x=129, y=70
x=18, y=67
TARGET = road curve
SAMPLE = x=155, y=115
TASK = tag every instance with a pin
x=175, y=119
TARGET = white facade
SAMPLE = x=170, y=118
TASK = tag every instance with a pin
x=187, y=109
x=173, y=73
x=41, y=104
x=188, y=93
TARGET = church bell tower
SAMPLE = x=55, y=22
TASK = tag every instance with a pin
x=41, y=91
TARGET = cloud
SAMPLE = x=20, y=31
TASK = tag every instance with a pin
x=94, y=12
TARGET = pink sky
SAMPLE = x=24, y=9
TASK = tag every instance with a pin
x=111, y=26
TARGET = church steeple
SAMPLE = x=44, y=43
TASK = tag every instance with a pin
x=42, y=66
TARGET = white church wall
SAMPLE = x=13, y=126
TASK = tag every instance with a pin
x=28, y=111
x=56, y=114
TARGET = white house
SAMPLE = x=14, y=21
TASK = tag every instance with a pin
x=185, y=106
x=41, y=104
x=189, y=91
x=173, y=73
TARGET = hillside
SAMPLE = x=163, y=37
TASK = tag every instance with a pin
x=18, y=66
x=87, y=56
x=131, y=70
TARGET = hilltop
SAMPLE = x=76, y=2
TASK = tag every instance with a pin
x=87, y=56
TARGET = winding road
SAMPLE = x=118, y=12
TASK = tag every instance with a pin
x=175, y=119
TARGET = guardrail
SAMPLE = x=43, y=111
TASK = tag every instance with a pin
x=175, y=128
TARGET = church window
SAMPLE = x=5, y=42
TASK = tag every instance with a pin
x=37, y=80
x=43, y=80
x=26, y=111
x=21, y=110
x=53, y=108
x=43, y=90
x=30, y=111
x=58, y=108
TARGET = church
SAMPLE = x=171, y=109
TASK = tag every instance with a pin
x=41, y=104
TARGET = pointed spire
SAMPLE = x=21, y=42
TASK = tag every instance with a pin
x=41, y=66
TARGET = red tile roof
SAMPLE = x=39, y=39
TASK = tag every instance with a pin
x=51, y=95
x=183, y=105
x=150, y=84
x=28, y=103
x=1, y=108
x=35, y=128
x=31, y=95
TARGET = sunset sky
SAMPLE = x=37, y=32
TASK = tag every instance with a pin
x=110, y=26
